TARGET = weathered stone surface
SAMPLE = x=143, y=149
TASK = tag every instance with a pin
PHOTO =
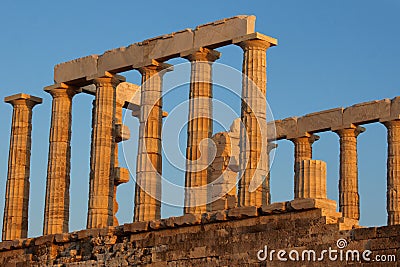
x=321, y=121
x=223, y=243
x=366, y=112
x=348, y=182
x=312, y=179
x=136, y=227
x=77, y=70
x=311, y=203
x=15, y=220
x=243, y=212
x=277, y=207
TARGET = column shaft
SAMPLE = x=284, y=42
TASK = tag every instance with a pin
x=253, y=137
x=149, y=161
x=302, y=151
x=200, y=129
x=15, y=221
x=266, y=183
x=393, y=172
x=349, y=203
x=312, y=179
x=101, y=194
x=56, y=213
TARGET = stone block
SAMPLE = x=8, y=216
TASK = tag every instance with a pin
x=243, y=212
x=46, y=239
x=136, y=227
x=363, y=233
x=310, y=203
x=281, y=129
x=121, y=175
x=277, y=207
x=122, y=133
x=388, y=231
x=76, y=71
x=395, y=108
x=222, y=32
x=366, y=112
x=62, y=238
x=321, y=121
x=121, y=59
x=187, y=219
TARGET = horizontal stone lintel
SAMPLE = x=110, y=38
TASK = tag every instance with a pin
x=162, y=48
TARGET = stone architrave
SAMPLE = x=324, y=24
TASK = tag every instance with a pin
x=15, y=220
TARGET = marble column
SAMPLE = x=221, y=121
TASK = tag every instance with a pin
x=101, y=189
x=302, y=151
x=393, y=172
x=200, y=129
x=56, y=212
x=349, y=203
x=266, y=183
x=253, y=136
x=312, y=179
x=15, y=220
x=149, y=161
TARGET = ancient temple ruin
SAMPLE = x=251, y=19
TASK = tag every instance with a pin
x=241, y=152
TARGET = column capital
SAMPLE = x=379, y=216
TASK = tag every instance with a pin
x=155, y=67
x=391, y=123
x=62, y=90
x=352, y=131
x=108, y=78
x=23, y=99
x=201, y=54
x=311, y=138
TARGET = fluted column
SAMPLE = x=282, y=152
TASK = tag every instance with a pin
x=253, y=136
x=302, y=151
x=15, y=220
x=149, y=161
x=349, y=203
x=312, y=179
x=200, y=129
x=101, y=190
x=266, y=183
x=393, y=172
x=56, y=212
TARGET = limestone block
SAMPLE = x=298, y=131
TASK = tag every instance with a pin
x=76, y=70
x=321, y=121
x=187, y=219
x=395, y=108
x=366, y=112
x=122, y=133
x=136, y=227
x=121, y=59
x=276, y=207
x=312, y=203
x=121, y=175
x=286, y=128
x=243, y=212
x=222, y=32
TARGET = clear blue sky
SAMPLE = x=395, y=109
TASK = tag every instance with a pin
x=330, y=54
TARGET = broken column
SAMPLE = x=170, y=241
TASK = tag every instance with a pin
x=312, y=179
x=349, y=203
x=15, y=220
x=149, y=162
x=200, y=129
x=101, y=190
x=302, y=151
x=393, y=172
x=253, y=148
x=56, y=212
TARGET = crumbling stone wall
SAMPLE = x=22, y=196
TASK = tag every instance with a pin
x=223, y=238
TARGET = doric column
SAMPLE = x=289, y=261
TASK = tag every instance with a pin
x=15, y=220
x=149, y=162
x=56, y=212
x=302, y=151
x=253, y=136
x=393, y=172
x=349, y=203
x=266, y=183
x=200, y=129
x=312, y=179
x=101, y=190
